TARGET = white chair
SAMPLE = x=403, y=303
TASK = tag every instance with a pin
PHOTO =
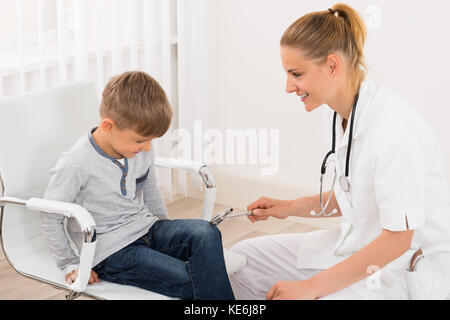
x=35, y=129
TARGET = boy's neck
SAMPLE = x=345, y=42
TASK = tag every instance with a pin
x=102, y=142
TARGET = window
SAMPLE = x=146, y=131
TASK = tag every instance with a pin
x=44, y=43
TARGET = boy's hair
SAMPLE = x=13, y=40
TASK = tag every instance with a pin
x=136, y=101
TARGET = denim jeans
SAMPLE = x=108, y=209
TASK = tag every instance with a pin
x=177, y=258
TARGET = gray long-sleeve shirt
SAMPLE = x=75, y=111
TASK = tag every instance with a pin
x=123, y=200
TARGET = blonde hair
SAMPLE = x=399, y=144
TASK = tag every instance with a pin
x=321, y=33
x=134, y=100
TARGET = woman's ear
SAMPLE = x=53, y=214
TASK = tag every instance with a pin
x=334, y=65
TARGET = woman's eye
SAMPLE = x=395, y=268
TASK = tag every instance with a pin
x=296, y=75
x=140, y=142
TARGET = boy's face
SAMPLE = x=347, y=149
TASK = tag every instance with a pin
x=124, y=143
x=128, y=143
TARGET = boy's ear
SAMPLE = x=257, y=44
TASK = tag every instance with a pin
x=107, y=124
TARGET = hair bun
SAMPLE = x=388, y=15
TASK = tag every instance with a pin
x=333, y=12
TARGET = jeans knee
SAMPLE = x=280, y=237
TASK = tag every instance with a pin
x=204, y=231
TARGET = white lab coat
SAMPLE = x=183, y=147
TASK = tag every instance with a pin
x=396, y=173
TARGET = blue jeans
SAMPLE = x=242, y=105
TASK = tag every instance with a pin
x=177, y=258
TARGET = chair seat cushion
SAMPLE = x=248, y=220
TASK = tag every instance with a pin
x=40, y=266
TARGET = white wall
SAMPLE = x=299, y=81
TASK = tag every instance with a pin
x=406, y=50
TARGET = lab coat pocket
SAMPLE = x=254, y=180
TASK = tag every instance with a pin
x=140, y=185
x=363, y=196
x=428, y=281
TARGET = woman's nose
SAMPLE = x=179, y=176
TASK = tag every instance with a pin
x=290, y=86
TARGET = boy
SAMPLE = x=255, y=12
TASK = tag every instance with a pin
x=110, y=172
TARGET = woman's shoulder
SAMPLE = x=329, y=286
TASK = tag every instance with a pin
x=386, y=100
x=392, y=109
x=395, y=120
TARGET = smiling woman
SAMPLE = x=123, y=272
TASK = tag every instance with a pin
x=340, y=29
x=320, y=47
x=392, y=196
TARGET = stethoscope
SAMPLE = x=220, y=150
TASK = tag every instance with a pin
x=343, y=179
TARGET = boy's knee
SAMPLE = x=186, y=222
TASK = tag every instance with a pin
x=205, y=231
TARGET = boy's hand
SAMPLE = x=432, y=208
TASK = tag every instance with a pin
x=71, y=277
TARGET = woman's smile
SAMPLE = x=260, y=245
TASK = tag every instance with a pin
x=304, y=96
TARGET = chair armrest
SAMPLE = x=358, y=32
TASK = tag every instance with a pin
x=201, y=169
x=87, y=224
x=175, y=163
x=194, y=166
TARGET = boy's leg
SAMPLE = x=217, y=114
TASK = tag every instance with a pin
x=140, y=266
x=200, y=245
x=177, y=258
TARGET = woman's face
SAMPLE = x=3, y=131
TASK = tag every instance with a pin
x=313, y=82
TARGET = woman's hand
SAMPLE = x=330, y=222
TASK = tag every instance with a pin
x=265, y=207
x=292, y=290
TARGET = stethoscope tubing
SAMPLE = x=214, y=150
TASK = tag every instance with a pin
x=346, y=188
x=349, y=146
x=350, y=137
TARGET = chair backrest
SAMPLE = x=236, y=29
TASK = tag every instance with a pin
x=35, y=129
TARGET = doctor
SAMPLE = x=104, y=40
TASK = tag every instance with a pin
x=390, y=190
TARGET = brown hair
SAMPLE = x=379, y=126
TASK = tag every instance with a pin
x=134, y=100
x=321, y=33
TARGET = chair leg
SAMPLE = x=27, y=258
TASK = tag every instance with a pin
x=73, y=295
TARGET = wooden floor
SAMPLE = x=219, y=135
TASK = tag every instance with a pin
x=14, y=286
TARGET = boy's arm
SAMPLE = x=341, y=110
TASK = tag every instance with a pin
x=53, y=228
x=64, y=184
x=152, y=197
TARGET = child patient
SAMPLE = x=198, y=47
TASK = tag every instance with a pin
x=110, y=172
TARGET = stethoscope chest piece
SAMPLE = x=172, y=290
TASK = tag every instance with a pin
x=345, y=184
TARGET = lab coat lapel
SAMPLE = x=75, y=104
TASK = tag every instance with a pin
x=360, y=121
